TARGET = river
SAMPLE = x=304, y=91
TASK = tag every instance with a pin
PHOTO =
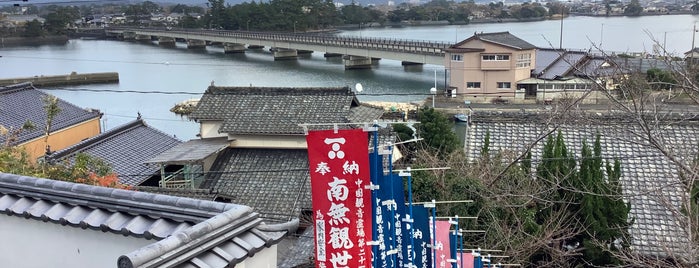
x=150, y=68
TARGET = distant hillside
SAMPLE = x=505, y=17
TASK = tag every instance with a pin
x=186, y=2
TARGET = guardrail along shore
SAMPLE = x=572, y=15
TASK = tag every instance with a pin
x=62, y=80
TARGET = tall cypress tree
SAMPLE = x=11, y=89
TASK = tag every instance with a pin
x=591, y=194
x=602, y=211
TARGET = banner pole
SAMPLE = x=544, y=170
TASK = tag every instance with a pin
x=375, y=181
x=410, y=212
x=434, y=234
x=394, y=257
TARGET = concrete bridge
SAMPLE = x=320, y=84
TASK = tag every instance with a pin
x=357, y=52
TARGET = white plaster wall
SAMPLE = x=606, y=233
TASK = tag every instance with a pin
x=266, y=258
x=269, y=141
x=209, y=129
x=30, y=243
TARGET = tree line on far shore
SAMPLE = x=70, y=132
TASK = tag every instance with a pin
x=294, y=15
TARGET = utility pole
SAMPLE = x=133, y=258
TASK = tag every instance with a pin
x=691, y=51
x=560, y=44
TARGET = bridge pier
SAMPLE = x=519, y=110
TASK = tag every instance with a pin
x=194, y=43
x=142, y=38
x=285, y=54
x=166, y=41
x=411, y=66
x=233, y=48
x=129, y=35
x=356, y=62
x=331, y=55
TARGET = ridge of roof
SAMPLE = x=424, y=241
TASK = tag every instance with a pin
x=217, y=90
x=97, y=139
x=171, y=250
x=16, y=87
x=137, y=203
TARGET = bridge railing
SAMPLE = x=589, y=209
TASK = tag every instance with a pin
x=397, y=45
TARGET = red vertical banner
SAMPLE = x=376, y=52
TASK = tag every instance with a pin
x=442, y=244
x=339, y=166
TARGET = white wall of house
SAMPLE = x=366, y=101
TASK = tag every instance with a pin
x=269, y=141
x=266, y=258
x=209, y=129
x=30, y=243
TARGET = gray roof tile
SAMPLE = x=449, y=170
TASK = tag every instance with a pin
x=241, y=109
x=645, y=172
x=191, y=232
x=191, y=151
x=274, y=182
x=126, y=148
x=501, y=38
x=22, y=102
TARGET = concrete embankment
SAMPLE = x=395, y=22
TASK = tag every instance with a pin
x=62, y=80
x=33, y=41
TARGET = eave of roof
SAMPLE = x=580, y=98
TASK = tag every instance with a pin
x=463, y=50
x=191, y=151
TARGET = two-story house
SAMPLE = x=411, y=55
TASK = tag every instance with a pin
x=500, y=66
x=253, y=150
x=488, y=65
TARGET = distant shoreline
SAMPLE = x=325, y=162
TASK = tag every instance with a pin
x=351, y=27
x=33, y=41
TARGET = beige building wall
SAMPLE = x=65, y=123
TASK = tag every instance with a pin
x=472, y=69
x=63, y=138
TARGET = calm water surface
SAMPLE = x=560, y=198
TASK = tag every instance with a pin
x=147, y=67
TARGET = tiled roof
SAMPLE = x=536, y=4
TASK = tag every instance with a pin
x=546, y=57
x=191, y=151
x=301, y=252
x=647, y=176
x=500, y=38
x=273, y=111
x=562, y=66
x=126, y=148
x=554, y=64
x=191, y=232
x=274, y=182
x=22, y=102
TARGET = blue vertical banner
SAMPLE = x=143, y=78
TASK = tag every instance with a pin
x=377, y=227
x=421, y=236
x=454, y=248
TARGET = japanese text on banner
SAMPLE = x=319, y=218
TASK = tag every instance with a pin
x=339, y=168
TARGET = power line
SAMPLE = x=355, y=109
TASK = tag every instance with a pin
x=145, y=118
x=130, y=62
x=202, y=93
